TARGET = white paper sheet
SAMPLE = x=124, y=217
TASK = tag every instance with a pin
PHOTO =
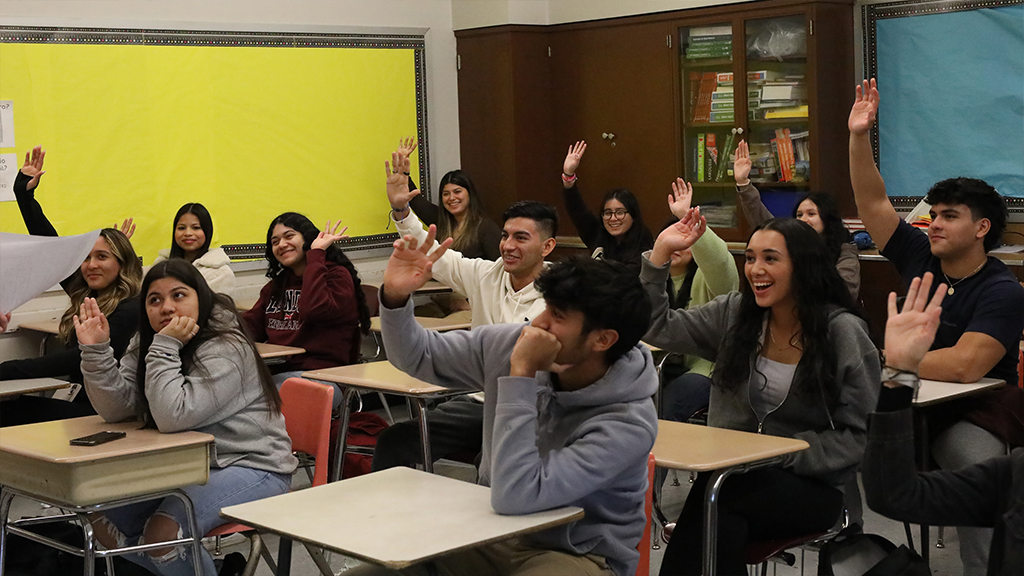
x=6, y=124
x=8, y=172
x=29, y=265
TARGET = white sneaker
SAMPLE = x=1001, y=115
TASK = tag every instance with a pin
x=210, y=543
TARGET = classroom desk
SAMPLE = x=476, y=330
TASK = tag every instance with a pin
x=37, y=462
x=422, y=515
x=431, y=287
x=437, y=324
x=380, y=377
x=47, y=327
x=271, y=351
x=12, y=388
x=722, y=452
x=931, y=393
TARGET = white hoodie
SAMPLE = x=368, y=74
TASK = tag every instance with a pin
x=484, y=282
x=215, y=266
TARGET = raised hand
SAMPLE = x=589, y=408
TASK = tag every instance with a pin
x=678, y=236
x=33, y=166
x=572, y=159
x=409, y=267
x=406, y=146
x=865, y=108
x=91, y=325
x=127, y=227
x=399, y=194
x=181, y=328
x=535, y=350
x=329, y=236
x=741, y=167
x=680, y=198
x=910, y=332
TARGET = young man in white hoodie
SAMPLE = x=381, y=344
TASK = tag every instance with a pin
x=568, y=418
x=499, y=292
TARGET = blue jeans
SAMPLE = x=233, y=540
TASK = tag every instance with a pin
x=226, y=487
x=684, y=396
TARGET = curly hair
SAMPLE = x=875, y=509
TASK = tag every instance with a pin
x=982, y=199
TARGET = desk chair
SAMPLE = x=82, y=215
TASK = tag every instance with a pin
x=778, y=549
x=644, y=567
x=306, y=407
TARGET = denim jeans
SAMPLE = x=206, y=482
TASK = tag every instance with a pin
x=226, y=487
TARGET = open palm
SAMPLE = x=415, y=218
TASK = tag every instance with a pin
x=865, y=108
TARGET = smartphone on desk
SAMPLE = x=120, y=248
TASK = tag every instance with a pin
x=97, y=438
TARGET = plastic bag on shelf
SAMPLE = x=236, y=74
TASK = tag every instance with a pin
x=779, y=40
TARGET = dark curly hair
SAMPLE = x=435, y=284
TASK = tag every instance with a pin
x=978, y=195
x=309, y=232
x=606, y=292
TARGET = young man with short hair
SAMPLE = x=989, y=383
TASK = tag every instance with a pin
x=983, y=314
x=499, y=292
x=568, y=418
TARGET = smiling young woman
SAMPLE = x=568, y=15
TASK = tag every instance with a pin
x=191, y=238
x=793, y=358
x=314, y=299
x=111, y=274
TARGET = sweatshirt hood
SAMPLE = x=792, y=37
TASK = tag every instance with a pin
x=633, y=377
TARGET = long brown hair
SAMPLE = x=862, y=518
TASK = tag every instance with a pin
x=447, y=225
x=127, y=284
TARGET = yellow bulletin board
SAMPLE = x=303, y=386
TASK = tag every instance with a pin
x=137, y=123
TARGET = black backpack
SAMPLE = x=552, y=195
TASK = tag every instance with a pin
x=852, y=553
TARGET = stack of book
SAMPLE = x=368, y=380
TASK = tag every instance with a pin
x=712, y=155
x=709, y=42
x=792, y=155
x=771, y=95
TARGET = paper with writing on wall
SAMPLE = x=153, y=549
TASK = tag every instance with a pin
x=6, y=124
x=29, y=265
x=8, y=171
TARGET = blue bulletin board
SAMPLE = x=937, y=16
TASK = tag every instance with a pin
x=951, y=80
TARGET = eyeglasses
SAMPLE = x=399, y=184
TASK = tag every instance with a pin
x=620, y=214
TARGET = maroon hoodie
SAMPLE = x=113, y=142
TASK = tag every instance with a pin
x=319, y=313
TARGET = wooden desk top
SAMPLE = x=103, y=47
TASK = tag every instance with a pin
x=703, y=448
x=10, y=388
x=431, y=287
x=378, y=376
x=422, y=515
x=48, y=441
x=245, y=304
x=438, y=324
x=277, y=350
x=934, y=392
x=46, y=326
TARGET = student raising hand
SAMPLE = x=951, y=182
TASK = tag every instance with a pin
x=409, y=267
x=572, y=161
x=406, y=146
x=680, y=198
x=678, y=236
x=741, y=166
x=33, y=166
x=865, y=108
x=399, y=194
x=909, y=333
x=328, y=236
x=90, y=324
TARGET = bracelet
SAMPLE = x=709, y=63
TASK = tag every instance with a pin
x=568, y=179
x=399, y=210
x=906, y=378
x=406, y=173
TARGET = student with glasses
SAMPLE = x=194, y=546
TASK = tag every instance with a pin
x=618, y=232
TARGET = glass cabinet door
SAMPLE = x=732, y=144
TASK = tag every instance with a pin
x=778, y=108
x=709, y=118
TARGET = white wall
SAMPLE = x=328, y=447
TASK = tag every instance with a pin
x=479, y=13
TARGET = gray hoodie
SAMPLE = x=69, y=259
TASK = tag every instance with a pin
x=223, y=398
x=545, y=448
x=837, y=434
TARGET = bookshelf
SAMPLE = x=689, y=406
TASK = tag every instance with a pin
x=527, y=92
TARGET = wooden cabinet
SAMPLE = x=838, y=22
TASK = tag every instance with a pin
x=624, y=85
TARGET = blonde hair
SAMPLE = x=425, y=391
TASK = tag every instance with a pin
x=128, y=283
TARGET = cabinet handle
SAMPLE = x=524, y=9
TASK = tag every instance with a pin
x=737, y=130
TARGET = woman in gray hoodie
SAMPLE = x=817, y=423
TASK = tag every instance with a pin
x=190, y=367
x=793, y=358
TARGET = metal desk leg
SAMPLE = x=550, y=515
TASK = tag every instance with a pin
x=5, y=511
x=428, y=462
x=342, y=445
x=284, y=557
x=711, y=520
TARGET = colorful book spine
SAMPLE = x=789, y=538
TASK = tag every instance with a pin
x=716, y=116
x=700, y=157
x=722, y=105
x=775, y=153
x=723, y=162
x=724, y=78
x=708, y=83
x=711, y=157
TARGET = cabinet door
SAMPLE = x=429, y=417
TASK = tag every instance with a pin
x=610, y=88
x=709, y=106
x=778, y=103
